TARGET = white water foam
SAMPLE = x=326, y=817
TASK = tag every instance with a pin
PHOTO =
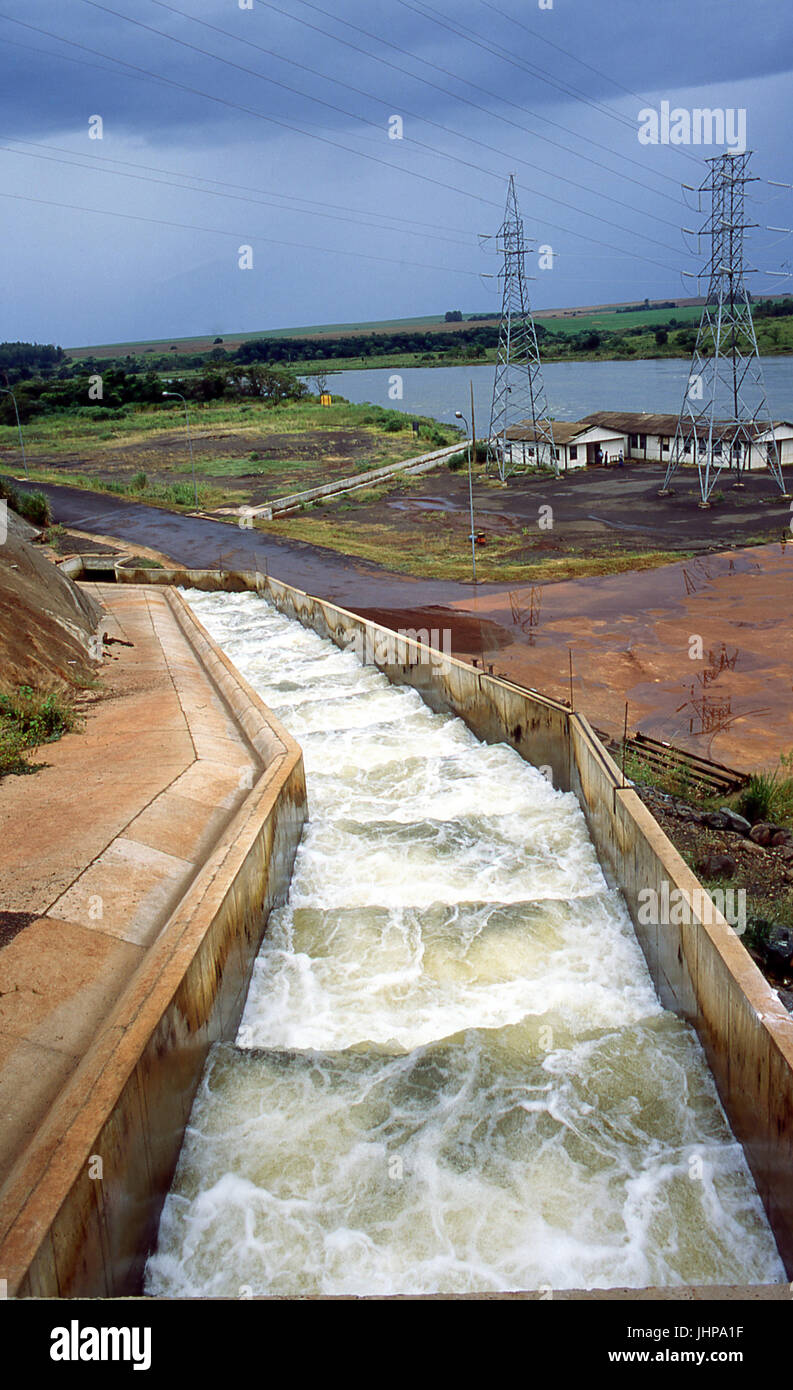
x=453, y=1073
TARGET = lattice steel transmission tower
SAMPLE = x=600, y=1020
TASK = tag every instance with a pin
x=518, y=391
x=725, y=415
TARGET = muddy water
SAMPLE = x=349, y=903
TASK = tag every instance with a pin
x=452, y=1073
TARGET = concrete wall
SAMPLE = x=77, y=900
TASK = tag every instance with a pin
x=423, y=463
x=62, y=1231
x=700, y=969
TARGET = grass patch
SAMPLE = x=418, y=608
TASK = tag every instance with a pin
x=28, y=719
x=435, y=552
x=178, y=494
x=677, y=781
x=32, y=506
x=768, y=796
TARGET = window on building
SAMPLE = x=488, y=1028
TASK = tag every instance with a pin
x=642, y=441
x=556, y=454
x=664, y=445
x=573, y=451
x=634, y=441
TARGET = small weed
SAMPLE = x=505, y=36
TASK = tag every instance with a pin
x=28, y=719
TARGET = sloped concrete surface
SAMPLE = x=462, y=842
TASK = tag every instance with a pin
x=102, y=844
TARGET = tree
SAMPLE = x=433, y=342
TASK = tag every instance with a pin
x=454, y=316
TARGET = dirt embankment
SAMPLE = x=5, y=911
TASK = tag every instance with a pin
x=46, y=622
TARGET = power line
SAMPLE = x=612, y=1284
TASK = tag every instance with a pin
x=634, y=255
x=223, y=231
x=577, y=136
x=469, y=36
x=425, y=120
x=535, y=33
x=478, y=168
x=293, y=197
x=250, y=111
x=211, y=192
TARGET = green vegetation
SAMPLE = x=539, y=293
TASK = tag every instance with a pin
x=675, y=781
x=28, y=719
x=32, y=506
x=768, y=796
x=624, y=332
x=460, y=460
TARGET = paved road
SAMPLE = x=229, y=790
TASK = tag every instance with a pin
x=198, y=544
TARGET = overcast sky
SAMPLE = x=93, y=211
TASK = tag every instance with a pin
x=270, y=126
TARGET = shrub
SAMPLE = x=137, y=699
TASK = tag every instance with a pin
x=29, y=718
x=756, y=801
x=33, y=506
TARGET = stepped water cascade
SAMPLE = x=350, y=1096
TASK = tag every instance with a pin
x=453, y=1073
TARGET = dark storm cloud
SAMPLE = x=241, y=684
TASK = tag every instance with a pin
x=48, y=84
x=85, y=239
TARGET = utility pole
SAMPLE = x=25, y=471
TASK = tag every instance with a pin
x=725, y=409
x=189, y=440
x=6, y=391
x=518, y=390
x=471, y=454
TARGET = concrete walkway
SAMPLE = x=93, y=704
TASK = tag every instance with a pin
x=101, y=844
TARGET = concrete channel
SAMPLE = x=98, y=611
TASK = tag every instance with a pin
x=700, y=971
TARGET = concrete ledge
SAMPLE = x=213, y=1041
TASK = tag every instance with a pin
x=700, y=970
x=423, y=463
x=64, y=1229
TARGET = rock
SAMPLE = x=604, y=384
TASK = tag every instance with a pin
x=715, y=865
x=762, y=832
x=739, y=824
x=717, y=820
x=781, y=837
x=786, y=996
x=751, y=847
x=778, y=948
x=786, y=853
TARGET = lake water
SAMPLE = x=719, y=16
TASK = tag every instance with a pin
x=573, y=388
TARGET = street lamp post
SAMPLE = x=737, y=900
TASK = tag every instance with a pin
x=189, y=439
x=6, y=390
x=471, y=446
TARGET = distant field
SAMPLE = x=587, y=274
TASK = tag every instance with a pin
x=556, y=320
x=233, y=340
x=612, y=320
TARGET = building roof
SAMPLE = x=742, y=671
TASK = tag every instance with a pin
x=624, y=422
x=563, y=431
x=643, y=422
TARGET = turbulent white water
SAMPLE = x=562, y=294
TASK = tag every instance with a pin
x=453, y=1073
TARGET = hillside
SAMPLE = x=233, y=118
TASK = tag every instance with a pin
x=46, y=622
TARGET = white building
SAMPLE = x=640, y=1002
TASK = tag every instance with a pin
x=576, y=444
x=605, y=436
x=651, y=437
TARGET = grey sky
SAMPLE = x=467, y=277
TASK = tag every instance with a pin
x=553, y=98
